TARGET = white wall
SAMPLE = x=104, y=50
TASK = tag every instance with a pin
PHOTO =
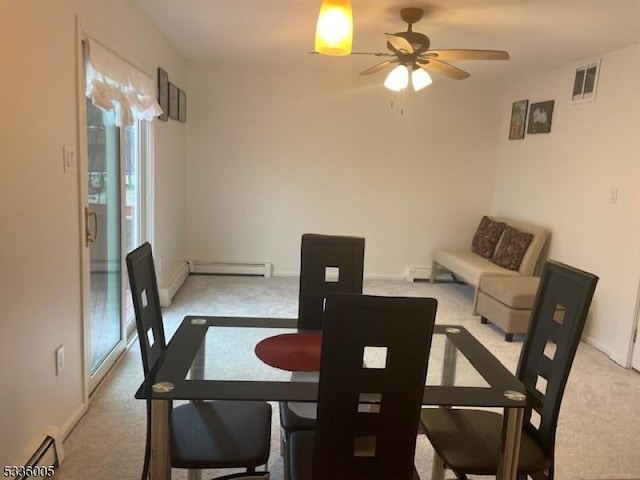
x=562, y=180
x=276, y=153
x=40, y=233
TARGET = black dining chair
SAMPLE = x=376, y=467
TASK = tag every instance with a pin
x=328, y=264
x=467, y=441
x=216, y=434
x=368, y=407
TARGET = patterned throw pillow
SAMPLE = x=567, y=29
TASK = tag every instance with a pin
x=486, y=237
x=512, y=248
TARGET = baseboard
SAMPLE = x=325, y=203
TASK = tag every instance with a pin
x=73, y=420
x=368, y=276
x=597, y=345
x=168, y=291
x=286, y=273
x=383, y=276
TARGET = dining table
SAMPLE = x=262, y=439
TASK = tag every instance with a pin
x=215, y=358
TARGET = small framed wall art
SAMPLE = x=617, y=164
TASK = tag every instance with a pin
x=173, y=101
x=163, y=93
x=518, y=119
x=182, y=106
x=540, y=117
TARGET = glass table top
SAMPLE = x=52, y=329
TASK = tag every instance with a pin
x=214, y=358
x=228, y=354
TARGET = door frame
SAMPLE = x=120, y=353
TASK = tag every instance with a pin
x=90, y=383
x=633, y=360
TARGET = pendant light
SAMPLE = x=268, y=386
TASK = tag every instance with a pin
x=334, y=30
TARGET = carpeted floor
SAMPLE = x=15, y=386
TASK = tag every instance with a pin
x=599, y=428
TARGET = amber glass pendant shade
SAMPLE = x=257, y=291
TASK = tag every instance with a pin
x=334, y=30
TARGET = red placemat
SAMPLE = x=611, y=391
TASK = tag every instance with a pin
x=295, y=352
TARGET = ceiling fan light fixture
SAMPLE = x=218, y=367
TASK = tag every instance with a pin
x=334, y=30
x=420, y=79
x=398, y=78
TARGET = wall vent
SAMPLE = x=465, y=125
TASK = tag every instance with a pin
x=261, y=269
x=585, y=82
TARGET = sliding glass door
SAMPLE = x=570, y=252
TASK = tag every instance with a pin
x=115, y=158
x=104, y=236
x=116, y=213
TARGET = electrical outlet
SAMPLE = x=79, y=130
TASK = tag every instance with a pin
x=59, y=359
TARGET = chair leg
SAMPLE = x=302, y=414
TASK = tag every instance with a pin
x=284, y=453
x=285, y=466
x=194, y=475
x=437, y=471
x=283, y=446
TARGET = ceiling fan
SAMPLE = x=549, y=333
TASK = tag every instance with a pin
x=410, y=52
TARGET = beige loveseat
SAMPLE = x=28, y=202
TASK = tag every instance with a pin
x=471, y=267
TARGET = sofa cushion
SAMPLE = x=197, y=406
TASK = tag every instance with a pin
x=486, y=237
x=469, y=266
x=513, y=246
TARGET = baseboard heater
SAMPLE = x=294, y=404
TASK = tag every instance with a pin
x=260, y=269
x=42, y=463
x=417, y=272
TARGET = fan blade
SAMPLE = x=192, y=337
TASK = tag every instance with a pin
x=379, y=66
x=437, y=66
x=375, y=54
x=468, y=54
x=399, y=43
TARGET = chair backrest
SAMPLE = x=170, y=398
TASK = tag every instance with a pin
x=146, y=304
x=328, y=264
x=557, y=320
x=356, y=440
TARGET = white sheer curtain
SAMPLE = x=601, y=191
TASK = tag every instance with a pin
x=114, y=84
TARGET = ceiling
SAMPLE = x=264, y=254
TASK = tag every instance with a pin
x=539, y=34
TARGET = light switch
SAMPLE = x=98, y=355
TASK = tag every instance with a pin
x=69, y=158
x=59, y=359
x=613, y=195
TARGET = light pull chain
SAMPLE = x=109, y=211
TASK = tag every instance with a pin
x=392, y=104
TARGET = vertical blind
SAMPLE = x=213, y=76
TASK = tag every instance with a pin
x=114, y=84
